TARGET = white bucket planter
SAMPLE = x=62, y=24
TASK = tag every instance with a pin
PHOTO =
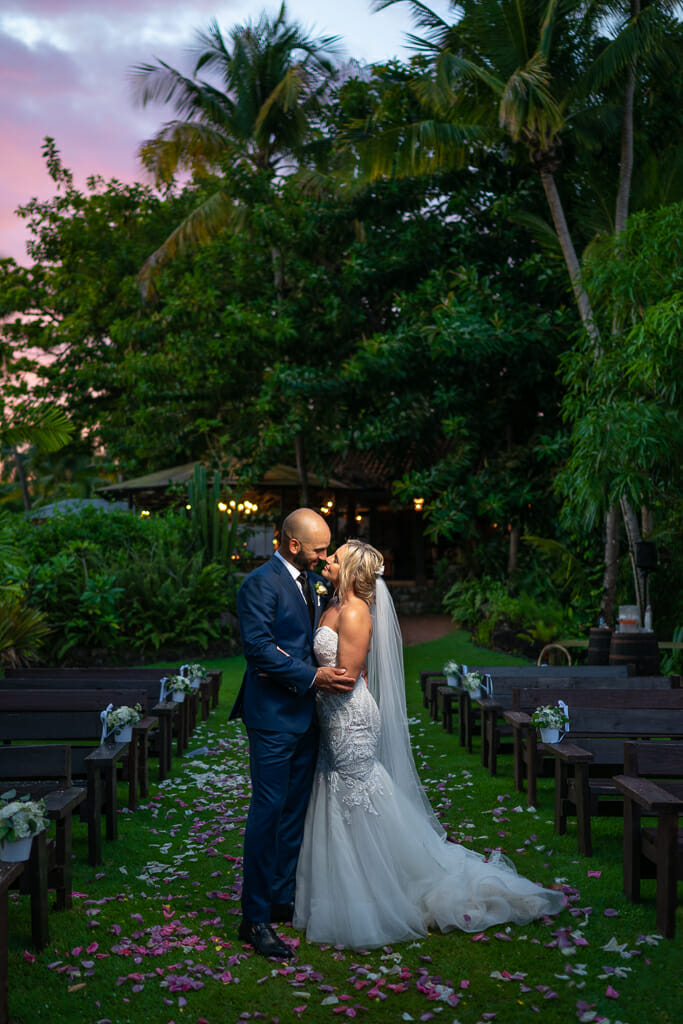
x=124, y=734
x=178, y=696
x=195, y=684
x=550, y=735
x=16, y=850
x=451, y=681
x=475, y=694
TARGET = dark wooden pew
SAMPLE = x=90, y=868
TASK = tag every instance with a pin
x=9, y=874
x=529, y=752
x=209, y=690
x=73, y=717
x=432, y=679
x=45, y=771
x=169, y=715
x=184, y=718
x=489, y=711
x=652, y=787
x=587, y=761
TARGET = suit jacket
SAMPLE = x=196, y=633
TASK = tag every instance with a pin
x=277, y=692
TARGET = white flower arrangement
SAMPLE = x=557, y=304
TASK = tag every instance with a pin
x=196, y=672
x=549, y=717
x=20, y=818
x=452, y=668
x=123, y=715
x=320, y=589
x=473, y=681
x=179, y=684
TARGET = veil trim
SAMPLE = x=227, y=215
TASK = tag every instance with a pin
x=386, y=682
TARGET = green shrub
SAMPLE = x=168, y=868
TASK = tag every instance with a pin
x=114, y=582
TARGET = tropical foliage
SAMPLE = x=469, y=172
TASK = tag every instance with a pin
x=427, y=268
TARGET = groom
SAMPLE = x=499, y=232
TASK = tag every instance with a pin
x=278, y=608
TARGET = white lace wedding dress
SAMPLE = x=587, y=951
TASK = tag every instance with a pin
x=372, y=870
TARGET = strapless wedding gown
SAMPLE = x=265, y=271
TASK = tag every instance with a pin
x=372, y=870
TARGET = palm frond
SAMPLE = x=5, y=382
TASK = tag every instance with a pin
x=453, y=69
x=219, y=212
x=45, y=426
x=641, y=36
x=435, y=29
x=540, y=229
x=183, y=145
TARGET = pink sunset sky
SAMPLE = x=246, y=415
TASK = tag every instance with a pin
x=64, y=72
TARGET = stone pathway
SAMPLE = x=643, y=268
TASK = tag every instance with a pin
x=419, y=629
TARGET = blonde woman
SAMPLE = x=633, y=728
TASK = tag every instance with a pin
x=375, y=866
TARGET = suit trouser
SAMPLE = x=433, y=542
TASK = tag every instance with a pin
x=281, y=766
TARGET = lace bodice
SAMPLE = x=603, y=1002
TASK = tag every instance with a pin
x=349, y=731
x=325, y=644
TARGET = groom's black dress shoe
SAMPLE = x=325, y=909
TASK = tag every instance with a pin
x=264, y=940
x=281, y=912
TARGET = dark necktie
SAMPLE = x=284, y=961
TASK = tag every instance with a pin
x=303, y=580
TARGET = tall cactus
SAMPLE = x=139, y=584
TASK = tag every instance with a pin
x=214, y=530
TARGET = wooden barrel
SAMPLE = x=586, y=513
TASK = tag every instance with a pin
x=599, y=640
x=639, y=649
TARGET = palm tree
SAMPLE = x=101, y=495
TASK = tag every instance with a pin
x=258, y=121
x=527, y=72
x=258, y=124
x=520, y=72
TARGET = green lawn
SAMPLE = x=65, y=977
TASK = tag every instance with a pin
x=152, y=935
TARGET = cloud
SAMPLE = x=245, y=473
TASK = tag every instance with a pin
x=64, y=72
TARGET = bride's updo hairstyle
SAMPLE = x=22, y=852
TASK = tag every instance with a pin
x=359, y=570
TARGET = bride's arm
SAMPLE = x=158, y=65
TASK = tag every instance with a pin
x=355, y=629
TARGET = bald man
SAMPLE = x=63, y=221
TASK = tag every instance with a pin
x=278, y=607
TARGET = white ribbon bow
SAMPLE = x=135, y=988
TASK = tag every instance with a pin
x=103, y=719
x=162, y=694
x=561, y=704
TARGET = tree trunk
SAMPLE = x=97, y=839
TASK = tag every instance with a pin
x=633, y=534
x=620, y=218
x=301, y=467
x=21, y=477
x=626, y=159
x=609, y=579
x=569, y=253
x=513, y=550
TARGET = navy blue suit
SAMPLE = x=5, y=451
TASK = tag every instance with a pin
x=277, y=703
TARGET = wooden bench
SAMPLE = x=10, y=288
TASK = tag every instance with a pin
x=490, y=710
x=209, y=689
x=652, y=786
x=529, y=752
x=9, y=874
x=586, y=762
x=167, y=713
x=45, y=771
x=73, y=716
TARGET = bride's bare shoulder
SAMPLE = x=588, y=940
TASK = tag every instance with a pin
x=354, y=615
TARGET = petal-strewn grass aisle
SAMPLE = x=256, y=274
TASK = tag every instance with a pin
x=152, y=935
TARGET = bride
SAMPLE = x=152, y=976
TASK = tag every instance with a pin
x=375, y=866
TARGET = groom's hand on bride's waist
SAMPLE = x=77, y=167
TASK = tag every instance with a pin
x=333, y=680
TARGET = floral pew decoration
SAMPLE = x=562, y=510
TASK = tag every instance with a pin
x=20, y=820
x=196, y=673
x=176, y=687
x=119, y=722
x=453, y=672
x=552, y=720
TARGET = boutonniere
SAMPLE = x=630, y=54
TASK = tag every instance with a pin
x=320, y=589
